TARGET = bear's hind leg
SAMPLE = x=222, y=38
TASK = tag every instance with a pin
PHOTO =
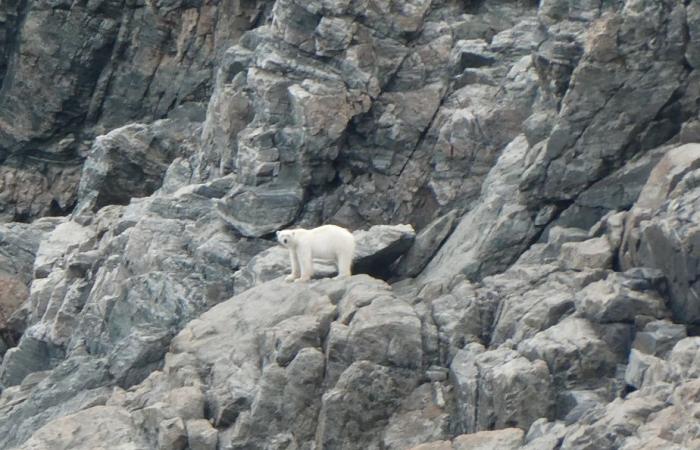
x=344, y=263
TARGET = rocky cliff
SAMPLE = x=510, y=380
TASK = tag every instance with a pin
x=523, y=182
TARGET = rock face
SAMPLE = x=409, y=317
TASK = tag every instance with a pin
x=522, y=179
x=91, y=69
x=662, y=224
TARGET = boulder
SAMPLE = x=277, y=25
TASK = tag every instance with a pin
x=426, y=244
x=258, y=212
x=422, y=417
x=131, y=161
x=507, y=439
x=576, y=353
x=490, y=383
x=110, y=427
x=610, y=300
x=377, y=248
x=593, y=253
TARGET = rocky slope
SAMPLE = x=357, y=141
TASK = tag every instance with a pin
x=544, y=152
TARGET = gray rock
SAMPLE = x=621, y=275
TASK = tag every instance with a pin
x=419, y=419
x=593, y=253
x=116, y=64
x=380, y=246
x=667, y=203
x=693, y=50
x=65, y=238
x=31, y=355
x=514, y=117
x=72, y=386
x=265, y=266
x=574, y=352
x=526, y=310
x=492, y=235
x=109, y=427
x=348, y=403
x=131, y=161
x=509, y=438
x=544, y=435
x=620, y=419
x=147, y=269
x=201, y=435
x=615, y=192
x=685, y=358
x=436, y=445
x=172, y=434
x=646, y=370
x=658, y=337
x=294, y=381
x=670, y=428
x=555, y=60
x=471, y=54
x=612, y=226
x=560, y=170
x=609, y=300
x=537, y=127
x=19, y=244
x=461, y=316
x=490, y=384
x=375, y=328
x=255, y=213
x=426, y=244
x=565, y=9
x=560, y=235
x=573, y=405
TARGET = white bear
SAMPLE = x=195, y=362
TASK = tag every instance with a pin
x=327, y=242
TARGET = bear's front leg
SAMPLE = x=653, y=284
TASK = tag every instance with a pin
x=306, y=264
x=295, y=266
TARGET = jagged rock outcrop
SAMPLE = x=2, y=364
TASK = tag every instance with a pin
x=661, y=225
x=543, y=296
x=132, y=161
x=19, y=245
x=73, y=71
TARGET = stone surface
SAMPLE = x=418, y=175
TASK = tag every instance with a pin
x=540, y=294
x=422, y=417
x=509, y=438
x=91, y=70
x=19, y=245
x=109, y=427
x=490, y=236
x=426, y=243
x=131, y=161
x=576, y=352
x=662, y=223
x=593, y=253
x=500, y=385
x=609, y=301
x=255, y=214
x=377, y=248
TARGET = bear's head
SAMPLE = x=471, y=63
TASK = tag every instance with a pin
x=285, y=238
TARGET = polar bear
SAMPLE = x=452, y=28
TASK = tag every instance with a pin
x=327, y=242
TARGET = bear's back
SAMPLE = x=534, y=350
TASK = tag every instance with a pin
x=327, y=241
